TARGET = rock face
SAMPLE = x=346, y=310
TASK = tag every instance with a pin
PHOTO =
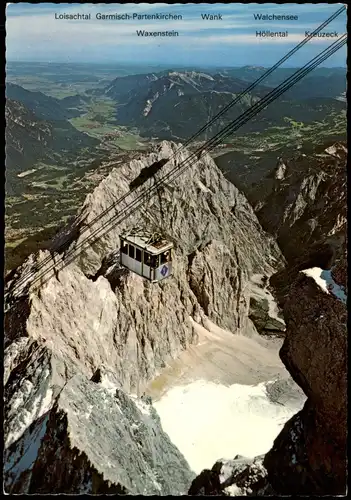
x=259, y=314
x=95, y=439
x=308, y=203
x=239, y=477
x=263, y=311
x=309, y=456
x=92, y=315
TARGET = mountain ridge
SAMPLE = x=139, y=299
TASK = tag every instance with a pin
x=308, y=456
x=124, y=325
x=42, y=105
x=30, y=139
x=149, y=101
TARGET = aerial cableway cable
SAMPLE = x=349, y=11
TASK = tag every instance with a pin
x=262, y=104
x=114, y=205
x=265, y=75
x=214, y=141
x=276, y=93
x=241, y=120
x=268, y=98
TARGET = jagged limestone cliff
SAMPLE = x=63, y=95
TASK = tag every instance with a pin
x=92, y=315
x=309, y=455
x=304, y=201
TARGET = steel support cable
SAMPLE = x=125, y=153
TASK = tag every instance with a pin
x=266, y=74
x=179, y=170
x=336, y=45
x=283, y=88
x=232, y=103
x=271, y=97
x=211, y=122
x=262, y=103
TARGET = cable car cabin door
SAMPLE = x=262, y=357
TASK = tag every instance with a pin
x=149, y=263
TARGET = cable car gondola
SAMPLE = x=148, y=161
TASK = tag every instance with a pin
x=149, y=256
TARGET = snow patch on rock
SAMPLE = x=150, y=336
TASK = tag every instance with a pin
x=29, y=408
x=325, y=281
x=25, y=454
x=207, y=420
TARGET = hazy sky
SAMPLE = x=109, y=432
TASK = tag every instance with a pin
x=33, y=34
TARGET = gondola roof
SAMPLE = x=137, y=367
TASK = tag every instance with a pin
x=153, y=245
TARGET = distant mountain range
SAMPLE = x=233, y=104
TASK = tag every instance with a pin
x=172, y=104
x=44, y=107
x=180, y=83
x=322, y=82
x=165, y=105
x=37, y=130
x=175, y=105
x=331, y=81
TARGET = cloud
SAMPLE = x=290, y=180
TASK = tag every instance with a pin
x=32, y=30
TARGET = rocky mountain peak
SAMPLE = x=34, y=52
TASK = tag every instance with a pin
x=309, y=203
x=190, y=76
x=338, y=149
x=94, y=315
x=280, y=169
x=309, y=455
